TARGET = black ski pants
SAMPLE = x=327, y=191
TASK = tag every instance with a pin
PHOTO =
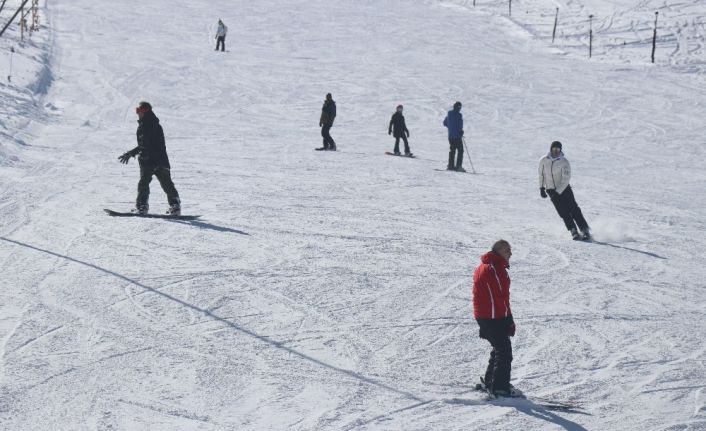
x=165, y=180
x=569, y=210
x=456, y=146
x=328, y=140
x=497, y=375
x=221, y=42
x=397, y=144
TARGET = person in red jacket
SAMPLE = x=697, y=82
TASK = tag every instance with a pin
x=491, y=309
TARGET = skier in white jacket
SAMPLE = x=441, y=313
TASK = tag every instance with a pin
x=554, y=177
x=221, y=35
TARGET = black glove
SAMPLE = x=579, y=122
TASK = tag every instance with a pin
x=125, y=158
x=462, y=133
x=552, y=193
x=542, y=193
x=321, y=124
x=511, y=330
x=408, y=133
x=389, y=132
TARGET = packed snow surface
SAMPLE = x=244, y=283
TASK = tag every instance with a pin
x=331, y=290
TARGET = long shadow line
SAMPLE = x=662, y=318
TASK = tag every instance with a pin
x=204, y=225
x=630, y=249
x=274, y=343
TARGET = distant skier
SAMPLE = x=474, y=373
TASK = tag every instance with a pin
x=554, y=177
x=454, y=124
x=153, y=161
x=491, y=309
x=399, y=128
x=221, y=36
x=328, y=114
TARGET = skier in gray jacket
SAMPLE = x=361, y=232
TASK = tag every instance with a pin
x=221, y=36
x=554, y=177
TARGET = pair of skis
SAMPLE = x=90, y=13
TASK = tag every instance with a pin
x=547, y=403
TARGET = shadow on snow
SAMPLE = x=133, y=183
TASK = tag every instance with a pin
x=524, y=406
x=527, y=407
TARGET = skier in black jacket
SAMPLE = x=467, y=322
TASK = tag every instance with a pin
x=153, y=161
x=398, y=126
x=328, y=114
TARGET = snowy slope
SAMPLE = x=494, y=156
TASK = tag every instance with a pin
x=332, y=290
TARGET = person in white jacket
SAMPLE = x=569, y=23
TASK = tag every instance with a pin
x=554, y=178
x=221, y=36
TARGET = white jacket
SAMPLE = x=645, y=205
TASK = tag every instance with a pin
x=222, y=30
x=554, y=173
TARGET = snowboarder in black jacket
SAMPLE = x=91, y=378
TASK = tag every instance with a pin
x=398, y=129
x=328, y=114
x=153, y=160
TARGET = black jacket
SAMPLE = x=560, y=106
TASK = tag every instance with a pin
x=150, y=143
x=398, y=125
x=328, y=113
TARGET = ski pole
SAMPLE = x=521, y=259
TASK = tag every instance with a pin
x=468, y=153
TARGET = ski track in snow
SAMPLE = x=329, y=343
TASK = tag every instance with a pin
x=332, y=290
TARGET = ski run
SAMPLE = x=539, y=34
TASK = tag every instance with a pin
x=331, y=290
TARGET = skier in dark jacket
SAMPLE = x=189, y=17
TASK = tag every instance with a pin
x=153, y=161
x=454, y=124
x=398, y=129
x=491, y=309
x=328, y=114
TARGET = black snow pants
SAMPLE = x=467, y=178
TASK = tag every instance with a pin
x=165, y=180
x=397, y=144
x=456, y=146
x=221, y=42
x=569, y=210
x=497, y=375
x=328, y=140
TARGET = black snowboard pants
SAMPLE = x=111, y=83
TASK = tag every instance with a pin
x=397, y=144
x=221, y=42
x=497, y=375
x=328, y=140
x=165, y=180
x=456, y=146
x=569, y=210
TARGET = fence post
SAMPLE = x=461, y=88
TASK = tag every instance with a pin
x=590, y=36
x=12, y=51
x=654, y=38
x=510, y=10
x=556, y=20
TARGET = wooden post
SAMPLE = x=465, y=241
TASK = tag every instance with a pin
x=654, y=38
x=12, y=51
x=510, y=10
x=590, y=36
x=474, y=3
x=556, y=20
x=22, y=23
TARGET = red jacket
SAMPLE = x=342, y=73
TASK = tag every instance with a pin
x=491, y=288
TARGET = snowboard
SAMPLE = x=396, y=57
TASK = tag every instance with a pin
x=323, y=149
x=448, y=170
x=166, y=216
x=548, y=403
x=400, y=155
